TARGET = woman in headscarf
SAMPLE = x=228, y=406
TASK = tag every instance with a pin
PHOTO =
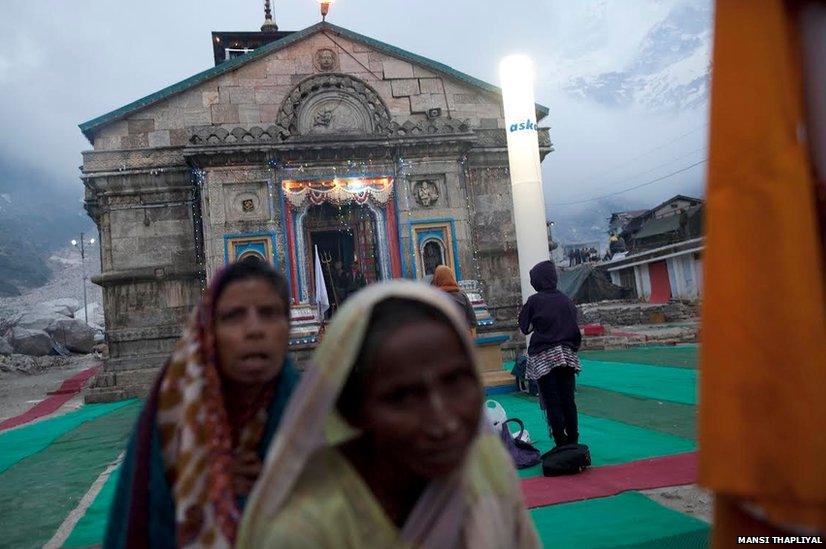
x=200, y=440
x=445, y=280
x=384, y=443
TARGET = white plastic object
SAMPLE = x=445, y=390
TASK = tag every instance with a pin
x=495, y=413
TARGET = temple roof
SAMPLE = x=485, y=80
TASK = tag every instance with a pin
x=90, y=127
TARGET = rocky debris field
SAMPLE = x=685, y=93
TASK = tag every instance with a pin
x=50, y=319
x=625, y=313
x=66, y=281
x=54, y=327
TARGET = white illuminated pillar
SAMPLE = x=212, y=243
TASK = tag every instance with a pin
x=516, y=72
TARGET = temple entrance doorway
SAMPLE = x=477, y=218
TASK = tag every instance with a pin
x=347, y=245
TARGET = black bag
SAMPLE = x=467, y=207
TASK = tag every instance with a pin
x=568, y=459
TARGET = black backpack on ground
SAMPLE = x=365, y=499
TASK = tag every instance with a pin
x=568, y=459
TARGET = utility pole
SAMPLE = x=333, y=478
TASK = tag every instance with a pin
x=83, y=267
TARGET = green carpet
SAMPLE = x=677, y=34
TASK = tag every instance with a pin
x=38, y=492
x=679, y=356
x=92, y=527
x=20, y=443
x=655, y=382
x=610, y=441
x=666, y=417
x=626, y=520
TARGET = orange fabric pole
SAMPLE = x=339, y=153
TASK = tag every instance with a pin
x=763, y=359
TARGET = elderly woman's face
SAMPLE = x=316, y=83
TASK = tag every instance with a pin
x=251, y=331
x=422, y=400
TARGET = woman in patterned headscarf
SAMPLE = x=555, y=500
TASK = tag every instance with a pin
x=200, y=440
x=384, y=443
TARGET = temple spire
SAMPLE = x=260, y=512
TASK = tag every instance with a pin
x=269, y=25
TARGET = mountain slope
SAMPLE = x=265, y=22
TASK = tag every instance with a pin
x=37, y=215
x=669, y=71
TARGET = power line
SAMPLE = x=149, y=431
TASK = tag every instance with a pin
x=634, y=187
x=642, y=154
x=652, y=169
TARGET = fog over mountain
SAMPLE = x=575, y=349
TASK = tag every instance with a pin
x=38, y=215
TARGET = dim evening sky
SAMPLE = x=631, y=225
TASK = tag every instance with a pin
x=626, y=81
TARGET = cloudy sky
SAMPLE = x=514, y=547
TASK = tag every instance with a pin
x=626, y=81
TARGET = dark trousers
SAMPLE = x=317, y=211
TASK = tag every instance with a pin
x=556, y=389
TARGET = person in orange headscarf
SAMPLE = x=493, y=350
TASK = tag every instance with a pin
x=445, y=280
x=762, y=382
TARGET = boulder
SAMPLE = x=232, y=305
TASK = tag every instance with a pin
x=30, y=342
x=5, y=347
x=65, y=306
x=94, y=313
x=37, y=319
x=74, y=334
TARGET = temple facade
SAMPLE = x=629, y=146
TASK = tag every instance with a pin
x=386, y=162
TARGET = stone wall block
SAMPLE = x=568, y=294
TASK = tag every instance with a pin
x=168, y=118
x=399, y=108
x=304, y=65
x=198, y=118
x=405, y=87
x=430, y=85
x=134, y=142
x=189, y=99
x=270, y=94
x=353, y=63
x=257, y=70
x=421, y=103
x=141, y=125
x=249, y=114
x=383, y=88
x=160, y=138
x=358, y=47
x=209, y=98
x=239, y=95
x=281, y=66
x=107, y=143
x=420, y=71
x=395, y=68
x=225, y=114
x=180, y=137
x=269, y=114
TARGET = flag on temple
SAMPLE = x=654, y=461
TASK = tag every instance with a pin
x=322, y=301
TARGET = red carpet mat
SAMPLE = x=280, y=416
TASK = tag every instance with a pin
x=68, y=389
x=610, y=480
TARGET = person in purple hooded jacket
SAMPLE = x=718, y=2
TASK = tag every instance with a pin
x=550, y=317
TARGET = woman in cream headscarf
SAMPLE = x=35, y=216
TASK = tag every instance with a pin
x=384, y=443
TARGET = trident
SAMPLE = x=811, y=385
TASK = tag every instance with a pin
x=326, y=259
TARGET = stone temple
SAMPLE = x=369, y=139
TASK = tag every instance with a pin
x=322, y=138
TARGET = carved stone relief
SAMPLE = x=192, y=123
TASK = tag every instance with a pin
x=325, y=60
x=428, y=190
x=244, y=202
x=426, y=193
x=333, y=113
x=332, y=104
